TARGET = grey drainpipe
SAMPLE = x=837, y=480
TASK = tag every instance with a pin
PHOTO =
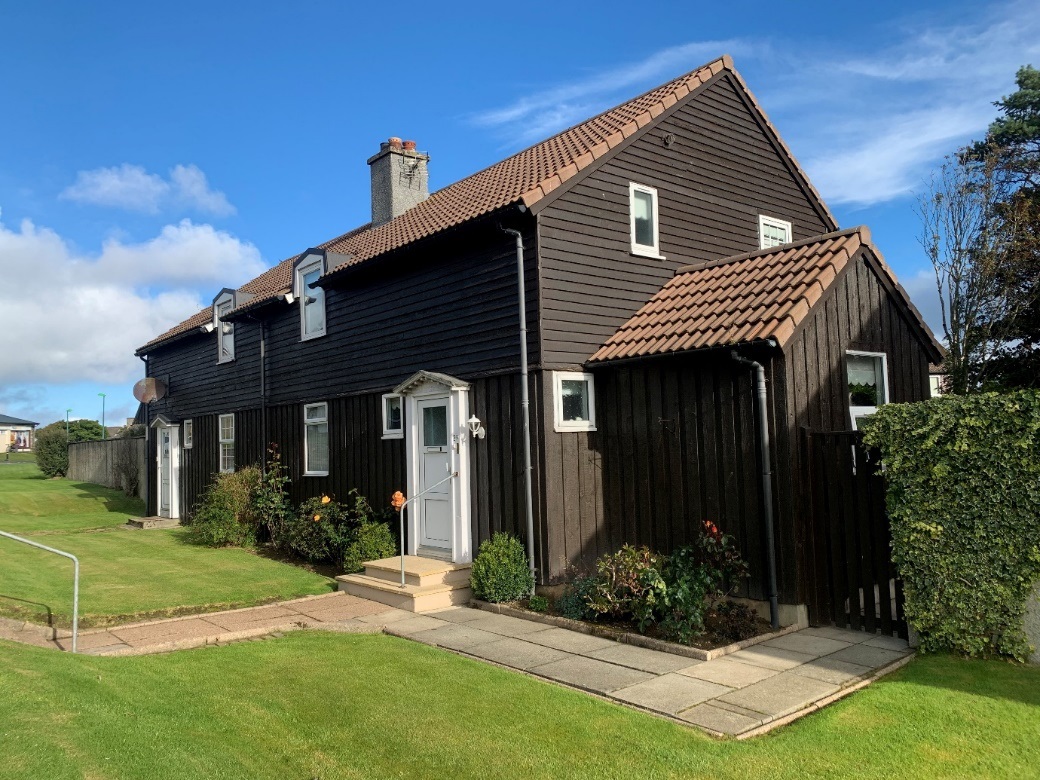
x=525, y=403
x=767, y=478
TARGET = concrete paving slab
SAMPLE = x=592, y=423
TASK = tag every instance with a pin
x=719, y=720
x=808, y=644
x=414, y=625
x=781, y=694
x=591, y=674
x=344, y=610
x=641, y=658
x=157, y=633
x=91, y=641
x=670, y=693
x=459, y=614
x=516, y=653
x=507, y=626
x=868, y=656
x=841, y=634
x=387, y=617
x=570, y=641
x=242, y=618
x=456, y=636
x=831, y=670
x=729, y=673
x=888, y=643
x=769, y=657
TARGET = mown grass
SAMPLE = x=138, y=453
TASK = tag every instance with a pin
x=313, y=705
x=125, y=575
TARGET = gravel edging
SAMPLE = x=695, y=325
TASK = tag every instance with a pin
x=638, y=640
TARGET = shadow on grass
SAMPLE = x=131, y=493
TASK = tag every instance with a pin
x=992, y=679
x=43, y=614
x=114, y=500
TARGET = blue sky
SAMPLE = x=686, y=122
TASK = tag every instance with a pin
x=154, y=153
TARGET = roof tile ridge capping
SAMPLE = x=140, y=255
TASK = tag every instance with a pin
x=862, y=230
x=684, y=85
x=783, y=144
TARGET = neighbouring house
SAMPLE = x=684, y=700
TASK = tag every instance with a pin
x=657, y=238
x=938, y=380
x=16, y=434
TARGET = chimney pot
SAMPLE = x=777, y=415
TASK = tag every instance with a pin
x=395, y=142
x=409, y=146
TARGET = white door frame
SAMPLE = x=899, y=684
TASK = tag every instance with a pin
x=175, y=467
x=430, y=385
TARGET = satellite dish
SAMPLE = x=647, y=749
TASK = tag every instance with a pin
x=149, y=389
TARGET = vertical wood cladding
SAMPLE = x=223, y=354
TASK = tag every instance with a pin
x=720, y=173
x=675, y=445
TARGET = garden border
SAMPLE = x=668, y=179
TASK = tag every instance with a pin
x=629, y=638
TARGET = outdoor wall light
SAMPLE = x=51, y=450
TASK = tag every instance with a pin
x=475, y=427
x=207, y=328
x=289, y=297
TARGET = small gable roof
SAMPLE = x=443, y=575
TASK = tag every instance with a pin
x=526, y=178
x=760, y=295
x=420, y=377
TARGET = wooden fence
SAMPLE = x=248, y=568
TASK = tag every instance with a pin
x=853, y=582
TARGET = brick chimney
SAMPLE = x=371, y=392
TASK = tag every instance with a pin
x=400, y=179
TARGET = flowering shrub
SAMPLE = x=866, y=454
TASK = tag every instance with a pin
x=321, y=529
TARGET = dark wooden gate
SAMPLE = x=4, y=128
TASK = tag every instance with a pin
x=851, y=580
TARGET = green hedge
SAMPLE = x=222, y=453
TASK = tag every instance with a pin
x=963, y=478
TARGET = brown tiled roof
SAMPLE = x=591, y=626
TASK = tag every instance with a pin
x=750, y=297
x=524, y=178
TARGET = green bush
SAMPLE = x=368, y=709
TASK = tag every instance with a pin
x=224, y=515
x=629, y=585
x=321, y=530
x=500, y=571
x=52, y=451
x=538, y=604
x=368, y=542
x=573, y=603
x=963, y=476
x=271, y=498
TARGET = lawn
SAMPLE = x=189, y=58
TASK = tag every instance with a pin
x=124, y=575
x=316, y=705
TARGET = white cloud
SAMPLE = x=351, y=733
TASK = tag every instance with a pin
x=535, y=116
x=67, y=317
x=133, y=188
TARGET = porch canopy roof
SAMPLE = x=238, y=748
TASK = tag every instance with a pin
x=766, y=294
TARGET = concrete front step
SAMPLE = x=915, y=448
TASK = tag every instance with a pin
x=418, y=571
x=412, y=598
x=148, y=523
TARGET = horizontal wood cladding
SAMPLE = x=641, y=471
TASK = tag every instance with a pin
x=675, y=445
x=719, y=174
x=197, y=384
x=452, y=307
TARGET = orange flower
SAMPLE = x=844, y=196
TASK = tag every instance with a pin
x=325, y=499
x=317, y=518
x=397, y=500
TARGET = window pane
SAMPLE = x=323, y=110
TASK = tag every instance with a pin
x=316, y=412
x=318, y=447
x=435, y=426
x=313, y=303
x=227, y=457
x=774, y=235
x=575, y=400
x=643, y=214
x=226, y=332
x=866, y=381
x=227, y=427
x=393, y=414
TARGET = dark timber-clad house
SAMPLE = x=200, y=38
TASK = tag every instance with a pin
x=658, y=238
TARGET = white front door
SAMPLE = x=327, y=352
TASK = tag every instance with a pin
x=435, y=510
x=165, y=471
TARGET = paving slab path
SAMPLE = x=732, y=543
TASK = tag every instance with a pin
x=741, y=694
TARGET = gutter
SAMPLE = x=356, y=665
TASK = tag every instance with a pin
x=762, y=424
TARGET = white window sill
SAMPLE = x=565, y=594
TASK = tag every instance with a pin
x=225, y=360
x=561, y=428
x=395, y=435
x=647, y=252
x=315, y=473
x=312, y=336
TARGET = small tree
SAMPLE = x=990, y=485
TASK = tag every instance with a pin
x=52, y=451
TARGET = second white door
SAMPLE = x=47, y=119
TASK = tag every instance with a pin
x=435, y=520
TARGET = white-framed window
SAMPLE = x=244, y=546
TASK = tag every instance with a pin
x=226, y=455
x=867, y=374
x=643, y=222
x=773, y=232
x=316, y=440
x=935, y=385
x=188, y=434
x=225, y=330
x=393, y=416
x=311, y=297
x=574, y=401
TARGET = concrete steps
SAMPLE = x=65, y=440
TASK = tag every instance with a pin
x=430, y=584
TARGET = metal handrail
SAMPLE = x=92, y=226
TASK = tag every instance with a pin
x=75, y=579
x=400, y=510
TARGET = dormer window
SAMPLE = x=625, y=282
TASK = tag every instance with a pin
x=643, y=225
x=222, y=306
x=311, y=297
x=773, y=232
